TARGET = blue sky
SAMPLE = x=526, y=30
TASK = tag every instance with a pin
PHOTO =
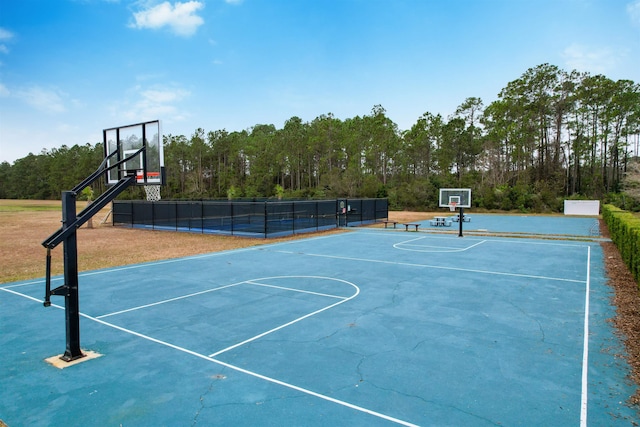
x=70, y=68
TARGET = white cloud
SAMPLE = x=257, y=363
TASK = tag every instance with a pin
x=181, y=18
x=46, y=100
x=5, y=35
x=595, y=60
x=4, y=92
x=65, y=127
x=152, y=103
x=164, y=96
x=633, y=9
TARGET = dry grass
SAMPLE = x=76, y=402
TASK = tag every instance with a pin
x=404, y=216
x=25, y=224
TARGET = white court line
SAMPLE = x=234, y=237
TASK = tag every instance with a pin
x=293, y=321
x=204, y=292
x=436, y=267
x=444, y=249
x=167, y=300
x=251, y=282
x=29, y=297
x=533, y=242
x=585, y=350
x=427, y=248
x=239, y=369
x=412, y=240
x=36, y=282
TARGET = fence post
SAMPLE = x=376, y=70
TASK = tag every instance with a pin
x=346, y=212
x=175, y=215
x=153, y=216
x=202, y=216
x=266, y=219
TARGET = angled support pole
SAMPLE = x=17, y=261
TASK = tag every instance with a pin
x=77, y=221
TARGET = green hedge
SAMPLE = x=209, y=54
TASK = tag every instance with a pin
x=624, y=228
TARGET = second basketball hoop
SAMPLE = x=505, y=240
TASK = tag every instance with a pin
x=455, y=198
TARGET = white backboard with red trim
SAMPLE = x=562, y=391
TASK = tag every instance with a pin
x=460, y=196
x=125, y=141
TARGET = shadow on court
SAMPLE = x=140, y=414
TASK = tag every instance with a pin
x=368, y=327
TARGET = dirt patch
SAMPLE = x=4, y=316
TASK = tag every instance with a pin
x=626, y=299
x=405, y=216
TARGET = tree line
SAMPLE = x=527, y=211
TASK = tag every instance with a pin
x=550, y=135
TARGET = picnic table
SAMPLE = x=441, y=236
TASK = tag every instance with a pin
x=465, y=218
x=440, y=221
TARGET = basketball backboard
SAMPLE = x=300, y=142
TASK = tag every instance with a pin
x=124, y=141
x=460, y=196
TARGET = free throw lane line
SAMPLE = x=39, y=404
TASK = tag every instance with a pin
x=342, y=300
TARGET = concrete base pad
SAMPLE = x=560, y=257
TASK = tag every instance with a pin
x=61, y=364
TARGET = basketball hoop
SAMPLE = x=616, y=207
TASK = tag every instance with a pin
x=153, y=192
x=452, y=206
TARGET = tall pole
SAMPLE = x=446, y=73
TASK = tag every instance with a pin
x=460, y=221
x=67, y=235
x=71, y=297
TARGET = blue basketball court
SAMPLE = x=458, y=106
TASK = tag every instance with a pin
x=366, y=327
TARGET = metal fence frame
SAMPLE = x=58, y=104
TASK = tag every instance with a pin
x=251, y=219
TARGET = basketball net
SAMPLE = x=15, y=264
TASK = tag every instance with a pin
x=153, y=192
x=452, y=206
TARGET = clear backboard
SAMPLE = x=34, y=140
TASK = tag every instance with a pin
x=124, y=142
x=460, y=196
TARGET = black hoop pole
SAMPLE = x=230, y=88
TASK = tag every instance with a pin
x=72, y=309
x=460, y=220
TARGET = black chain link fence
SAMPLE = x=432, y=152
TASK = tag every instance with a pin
x=251, y=219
